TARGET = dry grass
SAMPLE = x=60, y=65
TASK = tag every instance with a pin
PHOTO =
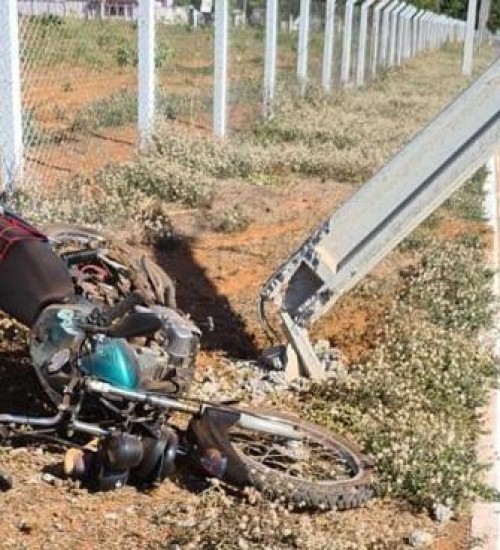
x=345, y=137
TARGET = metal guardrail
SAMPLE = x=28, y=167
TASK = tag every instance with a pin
x=413, y=184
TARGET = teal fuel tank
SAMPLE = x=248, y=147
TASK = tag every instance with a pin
x=113, y=361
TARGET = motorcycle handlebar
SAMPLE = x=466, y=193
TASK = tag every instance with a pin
x=106, y=316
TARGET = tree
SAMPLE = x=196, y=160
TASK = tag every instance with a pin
x=458, y=9
x=494, y=20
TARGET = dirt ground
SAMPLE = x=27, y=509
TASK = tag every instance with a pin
x=220, y=274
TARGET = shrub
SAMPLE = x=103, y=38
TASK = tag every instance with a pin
x=232, y=221
x=117, y=194
x=117, y=109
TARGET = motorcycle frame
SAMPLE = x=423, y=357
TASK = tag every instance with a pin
x=247, y=420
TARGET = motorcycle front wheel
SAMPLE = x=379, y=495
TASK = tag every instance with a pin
x=294, y=461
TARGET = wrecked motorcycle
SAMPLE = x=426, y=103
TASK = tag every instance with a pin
x=115, y=357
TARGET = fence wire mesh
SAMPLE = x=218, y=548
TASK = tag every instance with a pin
x=79, y=66
x=79, y=88
x=316, y=38
x=286, y=62
x=246, y=65
x=185, y=73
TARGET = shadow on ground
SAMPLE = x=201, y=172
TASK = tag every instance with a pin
x=198, y=297
x=20, y=391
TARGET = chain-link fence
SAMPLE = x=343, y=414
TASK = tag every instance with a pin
x=78, y=68
x=246, y=64
x=79, y=89
x=185, y=72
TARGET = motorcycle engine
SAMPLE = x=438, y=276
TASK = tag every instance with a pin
x=168, y=366
x=165, y=364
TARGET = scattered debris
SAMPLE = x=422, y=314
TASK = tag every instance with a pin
x=442, y=513
x=52, y=479
x=420, y=539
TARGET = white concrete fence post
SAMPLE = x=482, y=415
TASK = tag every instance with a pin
x=303, y=49
x=409, y=33
x=400, y=35
x=377, y=36
x=386, y=25
x=442, y=30
x=463, y=31
x=425, y=31
x=11, y=127
x=270, y=60
x=363, y=28
x=345, y=71
x=469, y=38
x=394, y=33
x=455, y=32
x=484, y=12
x=220, y=67
x=445, y=30
x=434, y=32
x=328, y=46
x=459, y=31
x=146, y=94
x=415, y=24
x=420, y=31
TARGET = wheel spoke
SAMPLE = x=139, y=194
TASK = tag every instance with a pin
x=311, y=458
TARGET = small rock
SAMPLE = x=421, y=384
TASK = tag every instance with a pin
x=420, y=539
x=442, y=513
x=25, y=527
x=111, y=516
x=51, y=479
